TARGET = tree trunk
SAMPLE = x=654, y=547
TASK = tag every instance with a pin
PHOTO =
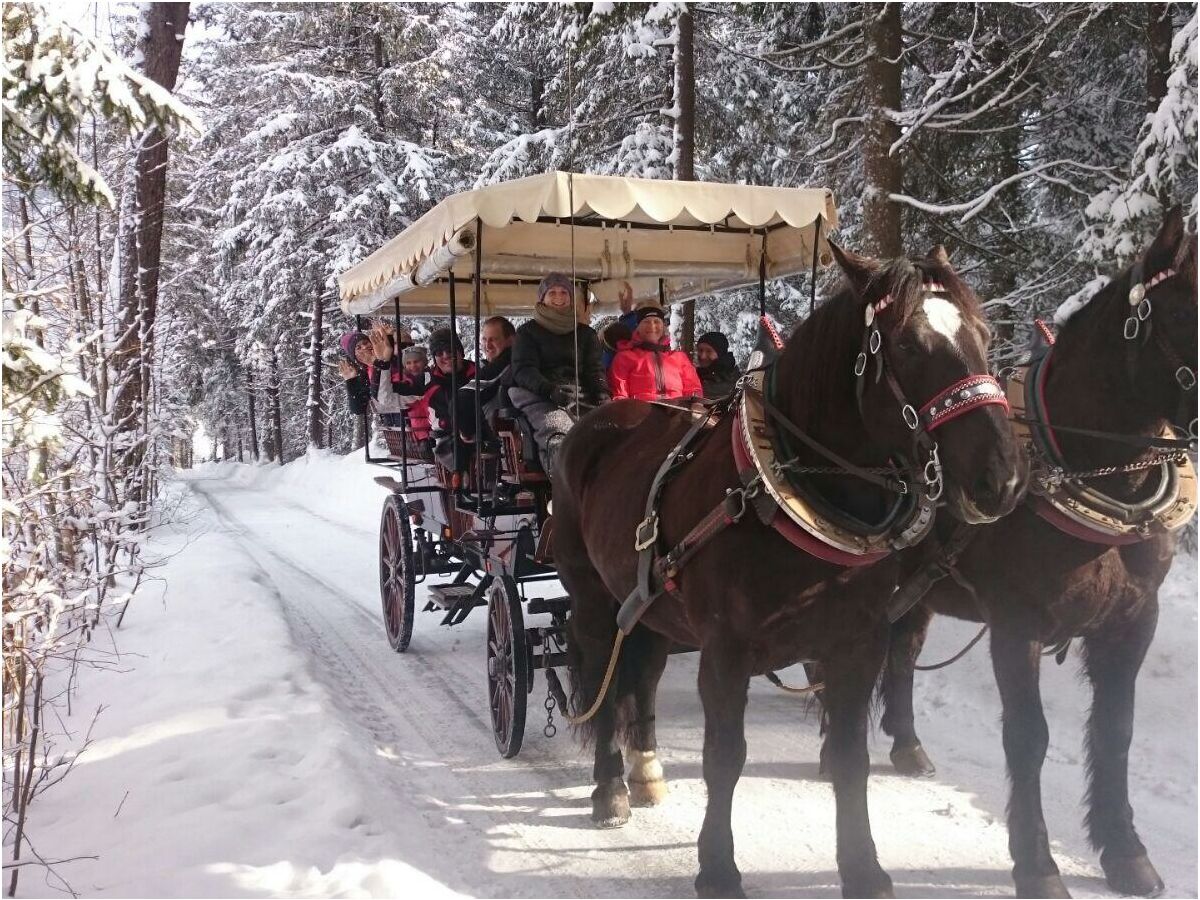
x=273, y=399
x=1158, y=53
x=316, y=371
x=685, y=138
x=160, y=47
x=537, y=100
x=253, y=419
x=881, y=170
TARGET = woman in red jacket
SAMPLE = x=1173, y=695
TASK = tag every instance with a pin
x=646, y=368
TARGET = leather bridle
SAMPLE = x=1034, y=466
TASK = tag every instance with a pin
x=1140, y=311
x=961, y=397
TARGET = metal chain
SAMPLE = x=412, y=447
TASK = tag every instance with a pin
x=1056, y=475
x=550, y=730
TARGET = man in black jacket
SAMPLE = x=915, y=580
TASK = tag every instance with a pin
x=495, y=375
x=544, y=366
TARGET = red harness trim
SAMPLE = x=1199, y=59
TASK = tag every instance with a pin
x=789, y=530
x=945, y=407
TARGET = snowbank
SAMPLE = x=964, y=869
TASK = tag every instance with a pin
x=334, y=486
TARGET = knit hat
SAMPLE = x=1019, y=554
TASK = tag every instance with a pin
x=645, y=312
x=414, y=353
x=349, y=341
x=716, y=340
x=555, y=279
x=442, y=340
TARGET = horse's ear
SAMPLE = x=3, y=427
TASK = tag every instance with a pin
x=859, y=270
x=939, y=255
x=1165, y=247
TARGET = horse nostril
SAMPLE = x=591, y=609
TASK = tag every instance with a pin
x=993, y=484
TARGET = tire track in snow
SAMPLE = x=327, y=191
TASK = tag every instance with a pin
x=382, y=706
x=535, y=810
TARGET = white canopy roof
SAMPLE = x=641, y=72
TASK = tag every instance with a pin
x=697, y=237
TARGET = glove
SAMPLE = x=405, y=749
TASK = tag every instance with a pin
x=562, y=396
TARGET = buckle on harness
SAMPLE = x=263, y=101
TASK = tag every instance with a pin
x=642, y=540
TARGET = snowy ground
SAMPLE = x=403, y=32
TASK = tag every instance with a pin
x=263, y=740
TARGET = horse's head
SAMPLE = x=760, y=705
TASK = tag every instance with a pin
x=923, y=383
x=1159, y=327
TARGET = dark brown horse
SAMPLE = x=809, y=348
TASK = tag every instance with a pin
x=1067, y=587
x=750, y=600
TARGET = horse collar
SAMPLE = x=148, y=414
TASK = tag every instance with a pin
x=799, y=517
x=1070, y=504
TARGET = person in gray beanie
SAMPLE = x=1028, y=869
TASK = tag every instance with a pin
x=544, y=365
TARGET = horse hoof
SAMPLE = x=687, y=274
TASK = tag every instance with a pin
x=912, y=761
x=1132, y=875
x=647, y=793
x=879, y=887
x=1042, y=886
x=610, y=808
x=717, y=887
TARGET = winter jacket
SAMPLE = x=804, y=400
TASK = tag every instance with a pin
x=720, y=378
x=438, y=395
x=364, y=387
x=646, y=372
x=542, y=360
x=495, y=376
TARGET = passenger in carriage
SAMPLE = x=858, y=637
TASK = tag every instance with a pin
x=495, y=376
x=622, y=328
x=544, y=366
x=611, y=336
x=449, y=364
x=646, y=368
x=718, y=370
x=415, y=361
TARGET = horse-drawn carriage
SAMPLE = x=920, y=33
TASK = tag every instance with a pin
x=831, y=473
x=473, y=527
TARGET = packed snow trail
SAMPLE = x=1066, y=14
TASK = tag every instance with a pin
x=417, y=799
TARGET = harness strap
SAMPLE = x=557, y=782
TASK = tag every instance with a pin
x=889, y=484
x=646, y=534
x=916, y=586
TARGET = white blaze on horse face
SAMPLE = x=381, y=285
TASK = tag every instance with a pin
x=943, y=317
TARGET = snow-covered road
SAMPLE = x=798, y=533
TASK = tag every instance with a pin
x=364, y=772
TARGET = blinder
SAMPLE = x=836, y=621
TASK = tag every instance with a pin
x=1140, y=310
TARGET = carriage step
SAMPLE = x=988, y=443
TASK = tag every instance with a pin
x=555, y=605
x=447, y=596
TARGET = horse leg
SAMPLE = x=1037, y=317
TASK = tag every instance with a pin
x=647, y=787
x=593, y=632
x=1016, y=663
x=1112, y=659
x=849, y=681
x=724, y=682
x=907, y=639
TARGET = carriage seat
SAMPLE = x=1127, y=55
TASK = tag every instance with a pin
x=519, y=451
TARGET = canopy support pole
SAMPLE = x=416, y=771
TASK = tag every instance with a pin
x=478, y=363
x=812, y=300
x=398, y=360
x=762, y=279
x=453, y=383
x=358, y=326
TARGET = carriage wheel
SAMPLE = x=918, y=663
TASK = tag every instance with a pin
x=507, y=666
x=396, y=586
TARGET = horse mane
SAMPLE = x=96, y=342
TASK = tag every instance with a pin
x=818, y=361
